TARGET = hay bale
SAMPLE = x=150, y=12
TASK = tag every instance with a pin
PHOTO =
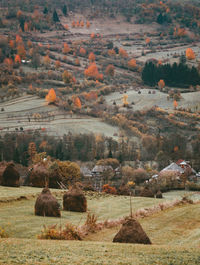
x=159, y=195
x=131, y=232
x=47, y=205
x=74, y=200
x=146, y=192
x=39, y=176
x=9, y=176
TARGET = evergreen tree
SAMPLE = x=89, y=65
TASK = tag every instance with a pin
x=55, y=16
x=45, y=11
x=64, y=10
x=160, y=19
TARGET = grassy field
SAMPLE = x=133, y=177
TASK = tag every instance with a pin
x=175, y=226
x=26, y=251
x=25, y=224
x=175, y=233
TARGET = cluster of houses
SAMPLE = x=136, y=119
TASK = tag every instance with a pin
x=100, y=174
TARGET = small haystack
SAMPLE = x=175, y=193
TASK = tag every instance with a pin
x=146, y=192
x=47, y=205
x=131, y=232
x=74, y=200
x=159, y=195
x=9, y=176
x=39, y=176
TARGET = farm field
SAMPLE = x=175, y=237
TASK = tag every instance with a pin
x=173, y=232
x=25, y=224
x=26, y=251
x=20, y=113
x=147, y=101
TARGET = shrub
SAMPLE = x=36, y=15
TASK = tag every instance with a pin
x=108, y=189
x=91, y=223
x=3, y=233
x=68, y=232
x=192, y=186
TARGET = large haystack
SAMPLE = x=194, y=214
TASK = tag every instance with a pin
x=39, y=176
x=74, y=200
x=146, y=192
x=9, y=176
x=131, y=232
x=47, y=205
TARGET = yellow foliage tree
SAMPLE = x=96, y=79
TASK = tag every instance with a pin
x=125, y=101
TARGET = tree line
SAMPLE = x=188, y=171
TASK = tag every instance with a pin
x=91, y=147
x=178, y=75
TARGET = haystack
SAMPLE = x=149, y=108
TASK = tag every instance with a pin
x=74, y=200
x=131, y=232
x=9, y=176
x=47, y=205
x=39, y=176
x=159, y=195
x=146, y=192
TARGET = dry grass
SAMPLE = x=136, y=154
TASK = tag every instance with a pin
x=26, y=251
x=178, y=226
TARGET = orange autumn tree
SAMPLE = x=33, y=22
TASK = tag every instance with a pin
x=92, y=72
x=66, y=27
x=147, y=41
x=21, y=51
x=77, y=102
x=77, y=23
x=66, y=48
x=92, y=36
x=12, y=44
x=82, y=51
x=73, y=24
x=110, y=70
x=161, y=84
x=51, y=96
x=111, y=52
x=18, y=39
x=77, y=62
x=92, y=95
x=88, y=24
x=132, y=63
x=17, y=59
x=123, y=53
x=190, y=55
x=91, y=57
x=47, y=60
x=175, y=104
x=26, y=27
x=57, y=64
